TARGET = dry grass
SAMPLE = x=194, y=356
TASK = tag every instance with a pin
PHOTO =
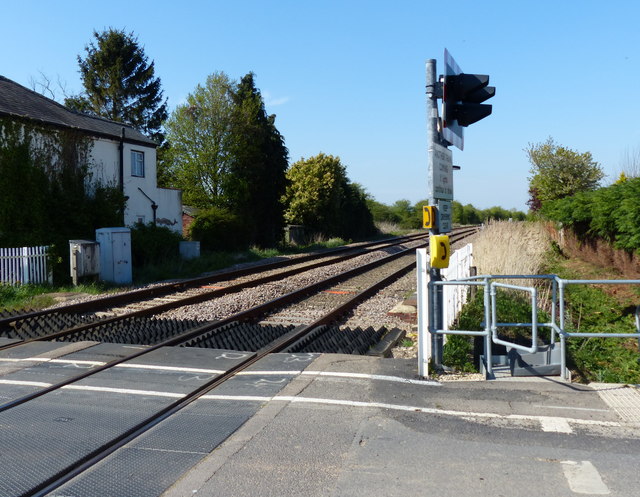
x=388, y=227
x=504, y=247
x=514, y=248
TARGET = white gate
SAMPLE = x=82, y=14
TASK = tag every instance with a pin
x=456, y=296
x=24, y=265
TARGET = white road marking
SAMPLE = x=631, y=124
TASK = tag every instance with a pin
x=25, y=383
x=583, y=478
x=571, y=408
x=364, y=376
x=445, y=412
x=170, y=368
x=123, y=365
x=547, y=423
x=268, y=373
x=377, y=377
x=556, y=425
x=250, y=398
x=11, y=359
x=127, y=391
x=69, y=361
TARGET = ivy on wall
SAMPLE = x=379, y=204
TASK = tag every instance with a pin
x=46, y=193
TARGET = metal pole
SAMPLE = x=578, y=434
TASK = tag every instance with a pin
x=563, y=338
x=432, y=103
x=433, y=136
x=487, y=326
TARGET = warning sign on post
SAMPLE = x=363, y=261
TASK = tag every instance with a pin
x=444, y=216
x=440, y=174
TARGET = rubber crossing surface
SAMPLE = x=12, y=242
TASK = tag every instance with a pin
x=48, y=434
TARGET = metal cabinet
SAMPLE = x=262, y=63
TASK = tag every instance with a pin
x=115, y=255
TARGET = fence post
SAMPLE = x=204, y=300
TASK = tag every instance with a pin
x=424, y=337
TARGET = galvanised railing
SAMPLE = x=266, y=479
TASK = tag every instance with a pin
x=491, y=323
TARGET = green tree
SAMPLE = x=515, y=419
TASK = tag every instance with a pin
x=120, y=84
x=610, y=213
x=259, y=160
x=404, y=211
x=356, y=220
x=457, y=213
x=321, y=197
x=470, y=215
x=198, y=157
x=381, y=212
x=558, y=172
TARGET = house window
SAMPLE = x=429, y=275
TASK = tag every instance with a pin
x=137, y=163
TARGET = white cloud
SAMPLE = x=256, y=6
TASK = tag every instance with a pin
x=272, y=101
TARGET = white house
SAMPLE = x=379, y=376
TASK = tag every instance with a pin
x=120, y=154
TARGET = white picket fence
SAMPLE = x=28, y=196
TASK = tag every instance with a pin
x=23, y=265
x=455, y=296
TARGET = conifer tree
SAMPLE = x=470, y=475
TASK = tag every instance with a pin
x=257, y=176
x=120, y=84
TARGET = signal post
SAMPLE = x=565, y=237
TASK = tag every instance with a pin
x=462, y=96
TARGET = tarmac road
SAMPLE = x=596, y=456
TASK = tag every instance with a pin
x=358, y=430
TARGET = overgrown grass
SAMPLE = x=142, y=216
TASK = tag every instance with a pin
x=599, y=309
x=39, y=296
x=524, y=248
x=511, y=307
x=391, y=228
x=504, y=247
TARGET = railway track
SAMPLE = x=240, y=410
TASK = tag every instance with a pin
x=53, y=324
x=334, y=295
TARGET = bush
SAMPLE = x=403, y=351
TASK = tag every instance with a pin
x=609, y=213
x=153, y=244
x=218, y=229
x=458, y=354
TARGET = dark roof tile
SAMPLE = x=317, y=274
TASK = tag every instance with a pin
x=18, y=101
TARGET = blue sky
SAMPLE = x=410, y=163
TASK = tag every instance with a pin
x=347, y=78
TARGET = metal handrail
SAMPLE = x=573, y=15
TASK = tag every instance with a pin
x=534, y=318
x=562, y=283
x=491, y=323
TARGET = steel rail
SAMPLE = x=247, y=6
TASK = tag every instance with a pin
x=164, y=289
x=279, y=345
x=194, y=299
x=209, y=327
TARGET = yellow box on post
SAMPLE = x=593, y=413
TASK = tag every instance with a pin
x=439, y=251
x=428, y=216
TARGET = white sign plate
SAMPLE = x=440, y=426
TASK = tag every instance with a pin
x=444, y=216
x=440, y=174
